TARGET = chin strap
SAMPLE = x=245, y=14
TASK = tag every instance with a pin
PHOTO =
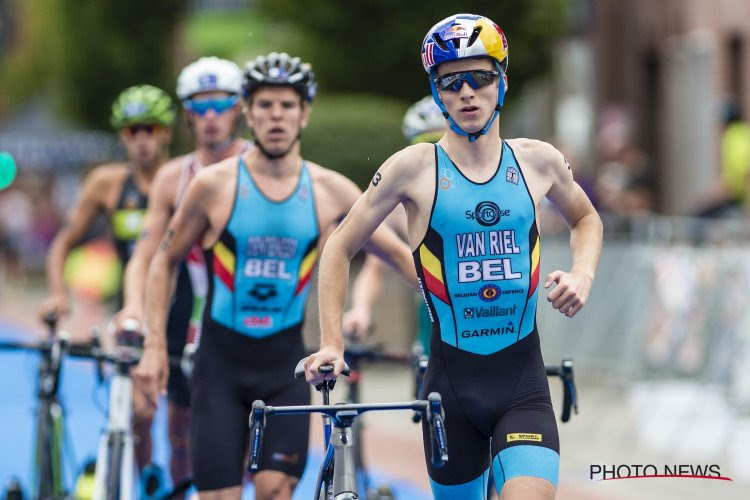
x=453, y=125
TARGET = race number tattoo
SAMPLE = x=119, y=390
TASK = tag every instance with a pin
x=167, y=240
x=144, y=234
x=376, y=179
x=566, y=162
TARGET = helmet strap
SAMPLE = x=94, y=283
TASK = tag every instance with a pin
x=472, y=136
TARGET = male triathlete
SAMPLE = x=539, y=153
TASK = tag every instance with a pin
x=261, y=217
x=471, y=202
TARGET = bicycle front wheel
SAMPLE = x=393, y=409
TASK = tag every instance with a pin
x=114, y=465
x=48, y=452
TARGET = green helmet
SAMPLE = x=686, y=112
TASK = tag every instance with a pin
x=142, y=104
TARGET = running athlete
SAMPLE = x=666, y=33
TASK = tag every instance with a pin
x=143, y=116
x=472, y=202
x=209, y=89
x=262, y=217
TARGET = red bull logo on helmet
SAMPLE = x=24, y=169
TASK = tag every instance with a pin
x=455, y=31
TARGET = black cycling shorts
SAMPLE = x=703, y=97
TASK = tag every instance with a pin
x=178, y=390
x=231, y=371
x=497, y=407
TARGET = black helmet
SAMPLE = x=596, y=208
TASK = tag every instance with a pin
x=279, y=70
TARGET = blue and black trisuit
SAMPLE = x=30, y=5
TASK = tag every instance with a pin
x=478, y=266
x=127, y=223
x=259, y=279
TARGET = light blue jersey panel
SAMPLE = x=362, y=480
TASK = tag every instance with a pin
x=263, y=262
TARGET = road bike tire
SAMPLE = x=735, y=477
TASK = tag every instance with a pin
x=116, y=446
x=44, y=480
x=56, y=449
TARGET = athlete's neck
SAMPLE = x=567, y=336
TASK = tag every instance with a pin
x=478, y=156
x=277, y=168
x=208, y=155
x=143, y=174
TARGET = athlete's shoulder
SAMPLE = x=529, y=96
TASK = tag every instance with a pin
x=171, y=170
x=537, y=154
x=411, y=157
x=328, y=179
x=107, y=175
x=217, y=173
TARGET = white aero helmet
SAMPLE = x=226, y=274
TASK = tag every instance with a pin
x=209, y=74
x=423, y=121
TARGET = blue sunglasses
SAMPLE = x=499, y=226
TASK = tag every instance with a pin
x=476, y=79
x=219, y=105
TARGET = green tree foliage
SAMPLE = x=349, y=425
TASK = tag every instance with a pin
x=109, y=45
x=84, y=52
x=374, y=45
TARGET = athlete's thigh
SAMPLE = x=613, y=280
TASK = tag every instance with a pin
x=525, y=442
x=218, y=423
x=286, y=438
x=464, y=476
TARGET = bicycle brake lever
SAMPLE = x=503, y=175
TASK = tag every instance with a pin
x=257, y=424
x=435, y=420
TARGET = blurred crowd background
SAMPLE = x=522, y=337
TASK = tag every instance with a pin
x=648, y=100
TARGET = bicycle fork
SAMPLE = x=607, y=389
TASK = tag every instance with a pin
x=114, y=461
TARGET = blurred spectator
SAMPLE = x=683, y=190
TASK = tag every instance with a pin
x=623, y=182
x=728, y=196
x=16, y=221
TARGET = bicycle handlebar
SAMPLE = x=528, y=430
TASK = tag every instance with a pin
x=58, y=347
x=570, y=396
x=342, y=416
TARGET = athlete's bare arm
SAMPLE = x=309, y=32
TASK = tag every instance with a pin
x=96, y=198
x=366, y=288
x=572, y=288
x=161, y=199
x=391, y=185
x=190, y=222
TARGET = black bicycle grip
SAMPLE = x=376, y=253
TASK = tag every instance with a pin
x=50, y=319
x=299, y=370
x=438, y=437
x=257, y=426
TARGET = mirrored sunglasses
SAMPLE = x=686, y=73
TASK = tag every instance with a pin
x=149, y=128
x=201, y=106
x=476, y=79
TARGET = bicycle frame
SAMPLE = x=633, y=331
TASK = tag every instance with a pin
x=115, y=464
